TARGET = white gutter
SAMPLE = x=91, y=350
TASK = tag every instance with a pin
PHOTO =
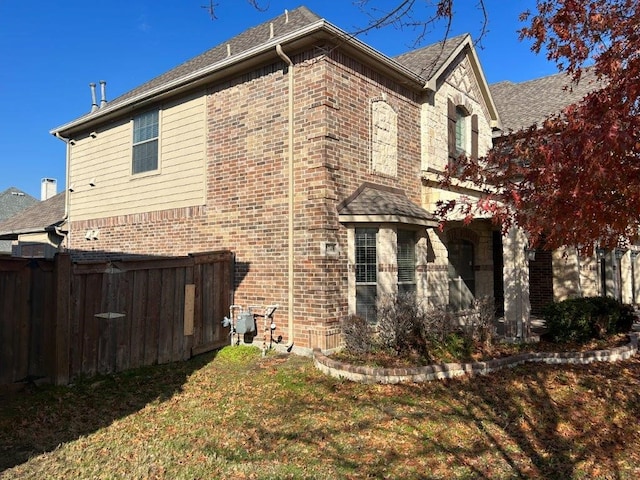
x=66, y=195
x=291, y=194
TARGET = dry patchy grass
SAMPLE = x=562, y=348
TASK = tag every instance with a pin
x=237, y=415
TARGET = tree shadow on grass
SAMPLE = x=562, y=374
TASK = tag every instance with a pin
x=542, y=421
x=535, y=421
x=39, y=419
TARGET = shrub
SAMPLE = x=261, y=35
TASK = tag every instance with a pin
x=479, y=321
x=401, y=324
x=406, y=328
x=582, y=319
x=358, y=334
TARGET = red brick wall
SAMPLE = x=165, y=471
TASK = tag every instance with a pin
x=540, y=282
x=247, y=186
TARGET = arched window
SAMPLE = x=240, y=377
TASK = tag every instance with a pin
x=462, y=132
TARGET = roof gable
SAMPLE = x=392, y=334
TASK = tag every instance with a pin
x=433, y=62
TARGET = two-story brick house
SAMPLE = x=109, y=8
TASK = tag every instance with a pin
x=312, y=156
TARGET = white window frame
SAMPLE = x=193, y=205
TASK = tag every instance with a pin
x=153, y=136
x=367, y=282
x=408, y=283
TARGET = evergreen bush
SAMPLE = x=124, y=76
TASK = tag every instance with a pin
x=583, y=319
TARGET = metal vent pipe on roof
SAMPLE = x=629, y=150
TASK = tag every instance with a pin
x=103, y=94
x=94, y=102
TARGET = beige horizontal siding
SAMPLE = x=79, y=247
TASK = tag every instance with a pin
x=179, y=182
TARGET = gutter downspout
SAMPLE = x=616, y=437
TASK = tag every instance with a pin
x=67, y=141
x=288, y=61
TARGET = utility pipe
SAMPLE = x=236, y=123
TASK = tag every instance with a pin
x=288, y=61
x=67, y=141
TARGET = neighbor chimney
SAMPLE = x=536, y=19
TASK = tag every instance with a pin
x=103, y=100
x=94, y=103
x=48, y=188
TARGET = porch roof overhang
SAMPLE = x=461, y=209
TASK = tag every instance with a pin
x=372, y=203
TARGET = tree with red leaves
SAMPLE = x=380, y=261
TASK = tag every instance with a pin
x=575, y=179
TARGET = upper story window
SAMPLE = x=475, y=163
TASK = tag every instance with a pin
x=462, y=130
x=145, y=142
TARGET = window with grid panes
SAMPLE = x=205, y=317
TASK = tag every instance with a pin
x=406, y=261
x=145, y=142
x=366, y=273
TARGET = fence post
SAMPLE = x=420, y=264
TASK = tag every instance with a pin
x=62, y=341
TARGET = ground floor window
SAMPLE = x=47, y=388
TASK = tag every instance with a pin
x=366, y=267
x=406, y=261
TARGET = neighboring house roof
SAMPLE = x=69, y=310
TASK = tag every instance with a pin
x=376, y=203
x=12, y=201
x=293, y=30
x=40, y=217
x=524, y=104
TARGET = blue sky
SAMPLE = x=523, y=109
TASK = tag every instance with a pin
x=51, y=50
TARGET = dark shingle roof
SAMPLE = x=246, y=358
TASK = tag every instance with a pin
x=426, y=61
x=12, y=200
x=251, y=38
x=524, y=104
x=421, y=64
x=37, y=218
x=371, y=200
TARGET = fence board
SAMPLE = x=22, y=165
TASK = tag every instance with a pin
x=165, y=334
x=61, y=373
x=123, y=296
x=137, y=318
x=90, y=324
x=177, y=325
x=152, y=318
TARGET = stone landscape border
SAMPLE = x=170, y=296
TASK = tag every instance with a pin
x=362, y=374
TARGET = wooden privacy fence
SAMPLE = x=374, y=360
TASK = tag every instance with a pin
x=61, y=320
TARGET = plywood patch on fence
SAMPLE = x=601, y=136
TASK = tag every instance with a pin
x=189, y=307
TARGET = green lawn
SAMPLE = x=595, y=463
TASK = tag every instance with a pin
x=233, y=414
